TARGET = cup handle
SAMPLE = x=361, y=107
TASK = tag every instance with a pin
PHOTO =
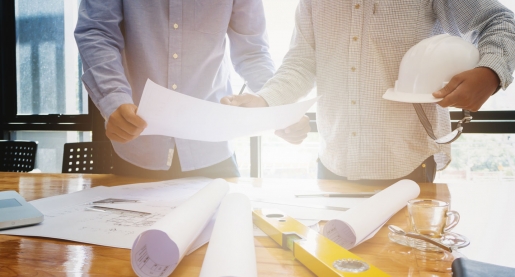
x=453, y=218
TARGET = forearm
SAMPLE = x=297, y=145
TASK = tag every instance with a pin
x=296, y=76
x=100, y=44
x=249, y=43
x=487, y=23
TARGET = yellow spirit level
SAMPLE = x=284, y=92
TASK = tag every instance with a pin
x=318, y=253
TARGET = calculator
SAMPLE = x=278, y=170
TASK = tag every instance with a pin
x=16, y=212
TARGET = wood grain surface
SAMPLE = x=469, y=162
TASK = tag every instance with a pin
x=29, y=256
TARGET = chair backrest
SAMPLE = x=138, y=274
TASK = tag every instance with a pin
x=17, y=155
x=88, y=157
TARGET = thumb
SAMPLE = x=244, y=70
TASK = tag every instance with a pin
x=443, y=92
x=227, y=100
x=235, y=100
x=129, y=113
x=447, y=89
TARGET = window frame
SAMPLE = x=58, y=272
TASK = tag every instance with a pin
x=483, y=122
x=490, y=122
x=10, y=120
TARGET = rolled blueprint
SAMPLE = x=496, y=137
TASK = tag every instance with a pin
x=158, y=251
x=363, y=221
x=231, y=247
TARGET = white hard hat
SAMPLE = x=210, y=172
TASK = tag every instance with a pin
x=429, y=66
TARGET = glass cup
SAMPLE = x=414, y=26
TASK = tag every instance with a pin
x=431, y=218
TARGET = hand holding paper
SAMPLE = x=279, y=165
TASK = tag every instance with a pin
x=244, y=100
x=293, y=134
x=173, y=114
x=124, y=125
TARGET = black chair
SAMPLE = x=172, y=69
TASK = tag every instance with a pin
x=88, y=157
x=17, y=155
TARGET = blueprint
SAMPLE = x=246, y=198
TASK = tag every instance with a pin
x=170, y=113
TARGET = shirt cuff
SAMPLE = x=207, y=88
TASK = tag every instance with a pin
x=275, y=98
x=112, y=101
x=499, y=66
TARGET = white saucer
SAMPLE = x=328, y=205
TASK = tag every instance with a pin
x=449, y=239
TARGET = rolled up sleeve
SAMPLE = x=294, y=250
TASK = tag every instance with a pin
x=487, y=23
x=100, y=42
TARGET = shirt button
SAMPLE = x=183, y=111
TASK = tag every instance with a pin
x=174, y=86
x=353, y=134
x=175, y=26
x=355, y=38
x=175, y=55
x=357, y=6
x=353, y=69
x=353, y=102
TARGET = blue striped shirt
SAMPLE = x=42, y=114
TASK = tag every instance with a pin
x=179, y=44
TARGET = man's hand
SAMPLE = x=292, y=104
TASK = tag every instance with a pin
x=297, y=132
x=124, y=125
x=469, y=90
x=244, y=100
x=294, y=134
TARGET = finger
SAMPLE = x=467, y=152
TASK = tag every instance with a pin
x=285, y=133
x=122, y=124
x=301, y=125
x=127, y=120
x=292, y=136
x=115, y=137
x=454, y=98
x=227, y=100
x=248, y=100
x=242, y=100
x=235, y=100
x=296, y=141
x=129, y=114
x=115, y=129
x=449, y=88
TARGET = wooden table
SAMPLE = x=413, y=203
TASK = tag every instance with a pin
x=27, y=256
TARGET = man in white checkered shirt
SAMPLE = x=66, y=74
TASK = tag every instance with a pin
x=353, y=48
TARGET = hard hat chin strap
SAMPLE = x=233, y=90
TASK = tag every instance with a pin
x=429, y=129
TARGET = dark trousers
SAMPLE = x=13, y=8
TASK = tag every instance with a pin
x=424, y=173
x=225, y=169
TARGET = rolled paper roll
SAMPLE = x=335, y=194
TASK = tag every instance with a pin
x=231, y=247
x=363, y=221
x=158, y=251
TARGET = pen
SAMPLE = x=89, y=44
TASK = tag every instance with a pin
x=242, y=88
x=333, y=194
x=301, y=205
x=94, y=210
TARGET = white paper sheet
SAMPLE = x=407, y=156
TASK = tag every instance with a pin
x=70, y=216
x=300, y=208
x=173, y=114
x=363, y=221
x=158, y=251
x=67, y=216
x=231, y=252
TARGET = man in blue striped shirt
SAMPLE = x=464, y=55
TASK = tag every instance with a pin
x=181, y=45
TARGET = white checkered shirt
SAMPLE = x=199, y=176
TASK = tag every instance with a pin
x=353, y=48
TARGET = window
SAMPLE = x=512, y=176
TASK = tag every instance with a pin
x=480, y=157
x=42, y=99
x=487, y=151
x=47, y=58
x=42, y=94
